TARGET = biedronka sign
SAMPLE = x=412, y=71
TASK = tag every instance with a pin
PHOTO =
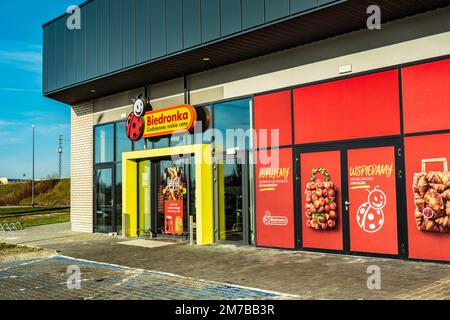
x=169, y=121
x=164, y=122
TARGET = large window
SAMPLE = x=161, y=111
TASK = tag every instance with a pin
x=123, y=144
x=206, y=136
x=232, y=120
x=145, y=197
x=161, y=143
x=104, y=200
x=110, y=142
x=104, y=143
x=139, y=145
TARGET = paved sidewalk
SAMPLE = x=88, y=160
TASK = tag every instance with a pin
x=307, y=275
x=47, y=279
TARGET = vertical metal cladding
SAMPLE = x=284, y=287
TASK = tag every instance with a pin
x=118, y=34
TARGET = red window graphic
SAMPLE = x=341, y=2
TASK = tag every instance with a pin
x=330, y=238
x=427, y=244
x=373, y=198
x=273, y=112
x=360, y=107
x=274, y=201
x=426, y=97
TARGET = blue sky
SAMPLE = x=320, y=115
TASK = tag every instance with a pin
x=21, y=100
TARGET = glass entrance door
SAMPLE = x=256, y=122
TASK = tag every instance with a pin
x=172, y=194
x=232, y=200
x=166, y=197
x=104, y=200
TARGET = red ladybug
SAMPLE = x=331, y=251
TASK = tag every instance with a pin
x=135, y=127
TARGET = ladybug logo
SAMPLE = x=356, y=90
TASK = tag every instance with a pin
x=140, y=106
x=135, y=123
x=370, y=215
x=134, y=127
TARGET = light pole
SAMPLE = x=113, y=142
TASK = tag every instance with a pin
x=32, y=181
x=60, y=151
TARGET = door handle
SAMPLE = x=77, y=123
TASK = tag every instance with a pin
x=347, y=205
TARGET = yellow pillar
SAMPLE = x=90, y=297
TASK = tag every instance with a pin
x=204, y=195
x=129, y=198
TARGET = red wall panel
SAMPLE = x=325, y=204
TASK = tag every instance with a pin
x=359, y=107
x=422, y=244
x=275, y=201
x=273, y=111
x=426, y=97
x=331, y=161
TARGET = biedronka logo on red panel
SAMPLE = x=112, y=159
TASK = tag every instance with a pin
x=270, y=220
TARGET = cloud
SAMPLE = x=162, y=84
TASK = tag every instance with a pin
x=9, y=138
x=25, y=60
x=52, y=130
x=9, y=134
x=20, y=90
x=4, y=123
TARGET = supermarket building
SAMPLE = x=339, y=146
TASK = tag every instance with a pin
x=357, y=119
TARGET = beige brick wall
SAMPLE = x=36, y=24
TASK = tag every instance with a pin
x=82, y=153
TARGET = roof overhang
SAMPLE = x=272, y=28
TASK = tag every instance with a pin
x=338, y=19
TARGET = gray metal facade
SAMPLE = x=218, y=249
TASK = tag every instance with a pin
x=121, y=34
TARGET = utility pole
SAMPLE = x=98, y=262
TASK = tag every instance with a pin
x=60, y=151
x=32, y=181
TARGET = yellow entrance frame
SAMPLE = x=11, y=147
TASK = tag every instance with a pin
x=203, y=189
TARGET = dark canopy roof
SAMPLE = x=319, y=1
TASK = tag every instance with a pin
x=343, y=17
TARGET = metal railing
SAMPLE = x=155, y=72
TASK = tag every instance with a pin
x=8, y=227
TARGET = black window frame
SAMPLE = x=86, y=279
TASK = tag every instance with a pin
x=106, y=165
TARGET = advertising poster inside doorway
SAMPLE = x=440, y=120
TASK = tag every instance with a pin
x=274, y=202
x=174, y=190
x=372, y=195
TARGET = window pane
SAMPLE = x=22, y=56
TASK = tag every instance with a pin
x=104, y=144
x=145, y=192
x=149, y=144
x=233, y=118
x=205, y=137
x=180, y=140
x=139, y=145
x=123, y=144
x=104, y=200
x=162, y=143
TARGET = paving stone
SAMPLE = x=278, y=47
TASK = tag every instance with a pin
x=47, y=279
x=303, y=274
